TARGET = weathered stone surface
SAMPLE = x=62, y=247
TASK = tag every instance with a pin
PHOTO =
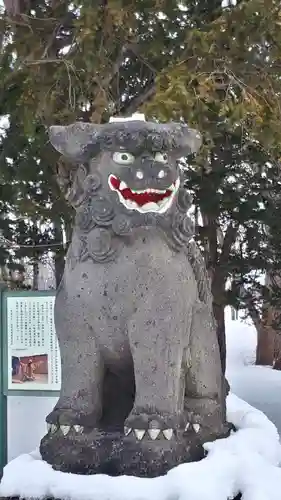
x=141, y=376
x=114, y=454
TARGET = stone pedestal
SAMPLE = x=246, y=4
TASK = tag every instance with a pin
x=114, y=454
x=229, y=464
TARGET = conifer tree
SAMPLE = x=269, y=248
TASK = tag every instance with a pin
x=215, y=68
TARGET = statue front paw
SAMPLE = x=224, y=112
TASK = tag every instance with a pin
x=204, y=425
x=143, y=423
x=193, y=422
x=66, y=420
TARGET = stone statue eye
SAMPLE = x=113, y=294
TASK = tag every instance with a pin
x=123, y=158
x=161, y=157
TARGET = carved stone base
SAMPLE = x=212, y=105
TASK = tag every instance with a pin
x=114, y=454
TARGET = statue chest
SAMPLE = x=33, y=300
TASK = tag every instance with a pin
x=142, y=268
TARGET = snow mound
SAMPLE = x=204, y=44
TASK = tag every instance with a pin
x=247, y=462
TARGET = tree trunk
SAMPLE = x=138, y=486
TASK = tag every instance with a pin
x=265, y=333
x=59, y=253
x=218, y=310
x=277, y=352
x=35, y=281
x=13, y=7
x=277, y=364
x=265, y=345
x=68, y=231
x=59, y=267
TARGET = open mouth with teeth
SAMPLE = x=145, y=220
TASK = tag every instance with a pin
x=148, y=200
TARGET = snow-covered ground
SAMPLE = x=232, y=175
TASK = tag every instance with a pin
x=245, y=462
x=259, y=386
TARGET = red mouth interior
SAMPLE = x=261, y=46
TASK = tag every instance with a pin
x=139, y=198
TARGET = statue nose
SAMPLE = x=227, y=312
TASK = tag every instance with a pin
x=147, y=159
x=153, y=169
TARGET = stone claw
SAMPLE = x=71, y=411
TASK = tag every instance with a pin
x=139, y=433
x=196, y=427
x=52, y=428
x=192, y=422
x=168, y=434
x=65, y=429
x=78, y=428
x=153, y=433
x=127, y=430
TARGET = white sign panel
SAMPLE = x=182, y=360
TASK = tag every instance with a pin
x=33, y=348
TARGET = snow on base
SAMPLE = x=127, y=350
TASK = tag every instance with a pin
x=247, y=461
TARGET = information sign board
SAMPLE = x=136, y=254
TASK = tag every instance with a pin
x=33, y=350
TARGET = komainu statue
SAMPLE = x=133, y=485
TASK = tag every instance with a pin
x=142, y=385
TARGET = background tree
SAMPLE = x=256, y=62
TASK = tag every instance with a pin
x=227, y=83
x=217, y=69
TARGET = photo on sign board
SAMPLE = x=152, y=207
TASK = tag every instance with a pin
x=32, y=369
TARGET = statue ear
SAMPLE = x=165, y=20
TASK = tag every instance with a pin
x=189, y=141
x=76, y=141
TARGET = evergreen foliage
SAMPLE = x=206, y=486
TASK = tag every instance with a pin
x=216, y=68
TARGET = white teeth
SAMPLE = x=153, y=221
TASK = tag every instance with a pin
x=175, y=186
x=78, y=428
x=160, y=207
x=139, y=433
x=165, y=204
x=127, y=431
x=130, y=204
x=51, y=428
x=122, y=186
x=150, y=207
x=65, y=429
x=187, y=426
x=149, y=190
x=153, y=433
x=196, y=427
x=168, y=434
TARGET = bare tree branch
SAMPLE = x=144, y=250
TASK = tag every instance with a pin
x=229, y=240
x=220, y=270
x=134, y=104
